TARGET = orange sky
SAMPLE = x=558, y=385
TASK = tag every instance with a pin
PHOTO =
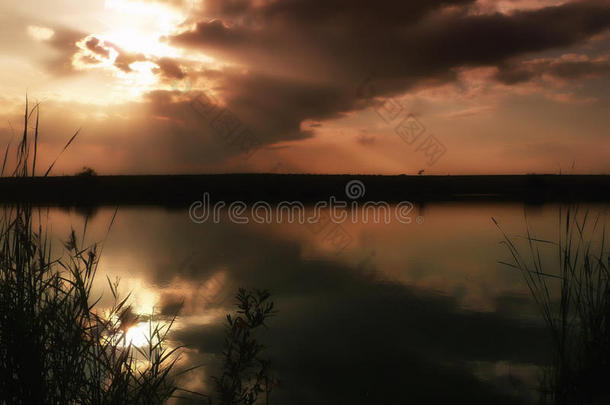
x=335, y=86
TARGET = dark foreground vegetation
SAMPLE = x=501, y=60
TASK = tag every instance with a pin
x=58, y=346
x=573, y=296
x=182, y=190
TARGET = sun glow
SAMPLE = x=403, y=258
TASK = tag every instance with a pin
x=138, y=335
x=139, y=26
x=141, y=78
x=139, y=42
x=130, y=42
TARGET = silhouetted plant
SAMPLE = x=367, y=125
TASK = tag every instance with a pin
x=574, y=301
x=55, y=347
x=245, y=375
x=87, y=172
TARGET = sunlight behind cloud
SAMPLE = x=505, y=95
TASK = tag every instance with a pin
x=139, y=25
x=134, y=32
x=140, y=79
x=133, y=40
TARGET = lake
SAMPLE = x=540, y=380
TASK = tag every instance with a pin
x=394, y=313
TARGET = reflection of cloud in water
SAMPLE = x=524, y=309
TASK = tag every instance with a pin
x=191, y=297
x=405, y=312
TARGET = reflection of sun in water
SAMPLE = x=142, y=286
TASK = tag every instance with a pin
x=142, y=334
x=138, y=319
x=138, y=335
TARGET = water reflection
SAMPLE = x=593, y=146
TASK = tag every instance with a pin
x=420, y=312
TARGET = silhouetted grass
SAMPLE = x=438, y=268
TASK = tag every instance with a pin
x=574, y=300
x=56, y=347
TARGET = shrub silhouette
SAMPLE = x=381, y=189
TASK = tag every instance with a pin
x=245, y=375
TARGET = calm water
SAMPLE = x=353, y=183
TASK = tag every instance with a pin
x=402, y=313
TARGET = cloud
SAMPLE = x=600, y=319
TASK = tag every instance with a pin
x=568, y=67
x=94, y=45
x=274, y=107
x=125, y=59
x=297, y=60
x=169, y=68
x=509, y=6
x=64, y=42
x=276, y=66
x=394, y=39
x=95, y=51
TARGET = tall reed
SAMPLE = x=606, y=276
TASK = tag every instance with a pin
x=56, y=346
x=574, y=301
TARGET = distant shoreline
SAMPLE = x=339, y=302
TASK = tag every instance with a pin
x=182, y=190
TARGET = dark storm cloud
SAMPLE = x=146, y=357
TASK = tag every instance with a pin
x=386, y=37
x=182, y=135
x=379, y=13
x=274, y=107
x=307, y=59
x=265, y=107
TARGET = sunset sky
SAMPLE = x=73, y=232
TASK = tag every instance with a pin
x=311, y=86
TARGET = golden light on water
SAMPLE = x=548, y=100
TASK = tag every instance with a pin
x=138, y=335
